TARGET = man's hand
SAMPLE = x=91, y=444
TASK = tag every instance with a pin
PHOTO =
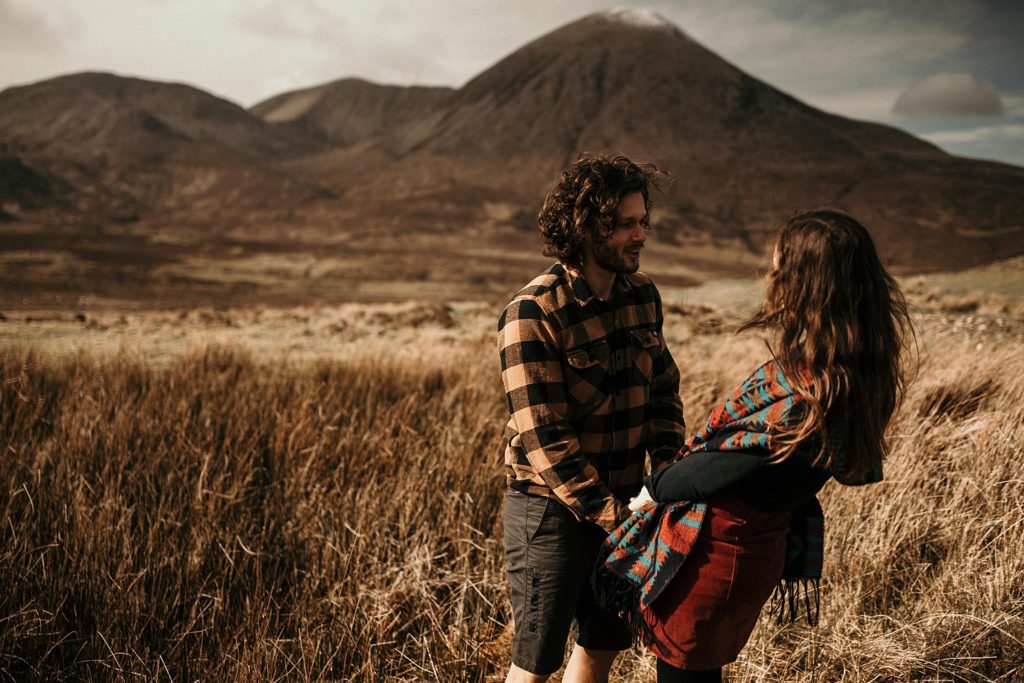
x=642, y=498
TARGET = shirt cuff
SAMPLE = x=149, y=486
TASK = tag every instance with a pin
x=611, y=514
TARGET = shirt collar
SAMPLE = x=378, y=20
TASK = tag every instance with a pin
x=623, y=285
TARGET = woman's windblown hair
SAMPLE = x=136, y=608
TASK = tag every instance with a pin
x=841, y=324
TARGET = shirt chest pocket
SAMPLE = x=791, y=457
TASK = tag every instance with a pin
x=588, y=372
x=645, y=344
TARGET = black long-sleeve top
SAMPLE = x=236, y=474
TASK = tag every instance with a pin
x=773, y=487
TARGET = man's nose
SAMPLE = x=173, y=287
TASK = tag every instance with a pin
x=640, y=233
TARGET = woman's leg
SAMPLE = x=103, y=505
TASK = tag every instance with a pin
x=670, y=674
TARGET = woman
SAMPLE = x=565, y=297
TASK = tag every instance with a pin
x=817, y=410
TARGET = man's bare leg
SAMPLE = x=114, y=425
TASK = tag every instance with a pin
x=517, y=675
x=589, y=666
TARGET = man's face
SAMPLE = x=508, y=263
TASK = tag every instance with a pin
x=620, y=253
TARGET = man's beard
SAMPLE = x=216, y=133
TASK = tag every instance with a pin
x=614, y=260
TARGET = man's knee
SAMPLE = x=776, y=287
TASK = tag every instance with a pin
x=517, y=675
x=589, y=666
x=599, y=656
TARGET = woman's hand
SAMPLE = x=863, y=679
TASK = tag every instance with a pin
x=642, y=498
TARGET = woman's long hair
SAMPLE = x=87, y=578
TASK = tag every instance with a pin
x=841, y=324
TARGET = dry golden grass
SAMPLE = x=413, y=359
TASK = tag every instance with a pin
x=227, y=517
x=219, y=519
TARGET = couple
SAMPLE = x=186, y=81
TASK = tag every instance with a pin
x=592, y=390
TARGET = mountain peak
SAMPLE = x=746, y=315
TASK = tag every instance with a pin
x=640, y=17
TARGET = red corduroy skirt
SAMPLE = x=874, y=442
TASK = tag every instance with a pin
x=706, y=614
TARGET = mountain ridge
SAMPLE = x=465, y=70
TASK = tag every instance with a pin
x=450, y=173
x=745, y=154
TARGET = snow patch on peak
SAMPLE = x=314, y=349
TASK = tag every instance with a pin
x=637, y=16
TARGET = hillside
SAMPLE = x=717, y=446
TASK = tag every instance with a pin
x=124, y=190
x=351, y=110
x=123, y=149
x=744, y=154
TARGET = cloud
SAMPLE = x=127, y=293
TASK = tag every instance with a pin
x=819, y=49
x=1012, y=131
x=1014, y=104
x=868, y=104
x=949, y=95
x=851, y=59
x=27, y=27
x=1003, y=142
x=326, y=41
x=299, y=20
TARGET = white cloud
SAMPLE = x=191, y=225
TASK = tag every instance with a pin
x=1002, y=142
x=949, y=95
x=34, y=27
x=867, y=104
x=1007, y=132
x=817, y=52
x=381, y=42
x=305, y=20
x=1013, y=103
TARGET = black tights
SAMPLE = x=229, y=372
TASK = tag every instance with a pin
x=670, y=674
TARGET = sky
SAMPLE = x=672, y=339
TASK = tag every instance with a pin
x=949, y=71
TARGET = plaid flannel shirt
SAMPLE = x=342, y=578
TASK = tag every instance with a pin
x=591, y=389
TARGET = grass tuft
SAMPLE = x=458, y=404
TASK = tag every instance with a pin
x=222, y=517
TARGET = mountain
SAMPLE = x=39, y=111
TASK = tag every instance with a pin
x=351, y=110
x=85, y=111
x=744, y=154
x=630, y=78
x=394, y=187
x=122, y=147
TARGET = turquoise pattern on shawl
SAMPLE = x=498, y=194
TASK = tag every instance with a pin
x=649, y=547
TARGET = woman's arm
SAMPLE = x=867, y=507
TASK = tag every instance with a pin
x=699, y=476
x=751, y=475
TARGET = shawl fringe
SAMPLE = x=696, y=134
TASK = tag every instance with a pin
x=792, y=594
x=620, y=596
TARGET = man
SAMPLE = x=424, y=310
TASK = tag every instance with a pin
x=592, y=390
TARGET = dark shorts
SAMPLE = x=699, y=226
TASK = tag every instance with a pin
x=549, y=556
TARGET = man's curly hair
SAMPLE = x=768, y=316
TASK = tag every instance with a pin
x=586, y=200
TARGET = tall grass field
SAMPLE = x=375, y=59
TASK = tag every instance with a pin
x=230, y=517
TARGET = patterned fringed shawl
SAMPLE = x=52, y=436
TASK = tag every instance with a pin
x=644, y=552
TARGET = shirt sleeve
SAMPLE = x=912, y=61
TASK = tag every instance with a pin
x=699, y=476
x=669, y=426
x=770, y=486
x=531, y=371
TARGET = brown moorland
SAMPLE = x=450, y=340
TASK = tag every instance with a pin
x=122, y=190
x=320, y=500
